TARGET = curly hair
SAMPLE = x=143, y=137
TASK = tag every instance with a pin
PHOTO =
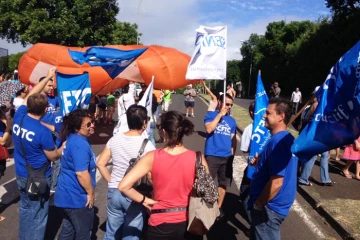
x=72, y=122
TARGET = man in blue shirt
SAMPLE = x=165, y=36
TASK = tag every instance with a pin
x=49, y=120
x=273, y=185
x=39, y=148
x=220, y=144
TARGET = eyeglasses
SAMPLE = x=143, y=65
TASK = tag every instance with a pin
x=229, y=104
x=88, y=125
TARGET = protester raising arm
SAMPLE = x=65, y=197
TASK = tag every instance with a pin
x=213, y=97
x=211, y=126
x=38, y=87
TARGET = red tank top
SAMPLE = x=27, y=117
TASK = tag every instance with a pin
x=173, y=177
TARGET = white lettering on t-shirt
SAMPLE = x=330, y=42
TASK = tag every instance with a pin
x=223, y=128
x=23, y=133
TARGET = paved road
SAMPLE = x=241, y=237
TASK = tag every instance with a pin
x=302, y=222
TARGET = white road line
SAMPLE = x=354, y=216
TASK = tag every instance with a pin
x=296, y=207
x=238, y=166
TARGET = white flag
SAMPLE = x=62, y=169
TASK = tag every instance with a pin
x=146, y=100
x=209, y=58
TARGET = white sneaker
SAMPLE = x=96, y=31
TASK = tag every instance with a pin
x=193, y=115
x=187, y=115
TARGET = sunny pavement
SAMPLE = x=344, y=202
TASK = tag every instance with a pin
x=300, y=224
x=341, y=202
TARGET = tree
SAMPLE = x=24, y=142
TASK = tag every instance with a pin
x=14, y=60
x=65, y=22
x=343, y=7
x=233, y=71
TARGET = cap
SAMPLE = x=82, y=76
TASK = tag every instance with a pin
x=15, y=71
x=143, y=85
x=315, y=90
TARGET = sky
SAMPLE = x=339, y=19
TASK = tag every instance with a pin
x=172, y=23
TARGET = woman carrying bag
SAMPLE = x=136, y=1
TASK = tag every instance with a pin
x=173, y=174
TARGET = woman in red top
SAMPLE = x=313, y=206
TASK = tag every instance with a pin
x=172, y=171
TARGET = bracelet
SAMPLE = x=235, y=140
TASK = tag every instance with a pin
x=143, y=200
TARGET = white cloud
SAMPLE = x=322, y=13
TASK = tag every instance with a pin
x=173, y=24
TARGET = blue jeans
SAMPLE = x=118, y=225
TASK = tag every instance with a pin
x=33, y=212
x=55, y=170
x=151, y=133
x=265, y=224
x=77, y=224
x=324, y=169
x=125, y=217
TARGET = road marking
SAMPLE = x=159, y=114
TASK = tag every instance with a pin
x=296, y=207
x=238, y=166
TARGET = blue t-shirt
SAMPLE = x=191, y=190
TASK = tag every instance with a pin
x=2, y=129
x=276, y=160
x=218, y=143
x=58, y=122
x=35, y=138
x=53, y=103
x=77, y=157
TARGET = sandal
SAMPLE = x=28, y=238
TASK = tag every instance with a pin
x=309, y=184
x=328, y=184
x=347, y=175
x=2, y=218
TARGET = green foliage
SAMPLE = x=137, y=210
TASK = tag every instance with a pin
x=298, y=54
x=343, y=8
x=233, y=71
x=14, y=60
x=65, y=22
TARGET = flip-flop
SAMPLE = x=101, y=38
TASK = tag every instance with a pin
x=2, y=218
x=347, y=175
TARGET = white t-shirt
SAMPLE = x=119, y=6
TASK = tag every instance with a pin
x=17, y=103
x=246, y=138
x=212, y=106
x=296, y=96
x=122, y=149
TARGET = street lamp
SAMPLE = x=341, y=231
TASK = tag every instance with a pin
x=251, y=53
x=137, y=33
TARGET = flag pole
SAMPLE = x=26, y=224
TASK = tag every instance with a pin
x=224, y=92
x=302, y=109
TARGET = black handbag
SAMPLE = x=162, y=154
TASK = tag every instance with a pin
x=143, y=185
x=36, y=184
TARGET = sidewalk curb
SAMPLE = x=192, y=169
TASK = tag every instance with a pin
x=316, y=205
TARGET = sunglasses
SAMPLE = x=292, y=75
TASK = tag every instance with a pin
x=88, y=125
x=229, y=104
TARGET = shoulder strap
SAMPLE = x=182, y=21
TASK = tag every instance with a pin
x=21, y=142
x=198, y=160
x=141, y=151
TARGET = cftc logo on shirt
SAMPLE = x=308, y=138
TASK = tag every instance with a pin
x=23, y=133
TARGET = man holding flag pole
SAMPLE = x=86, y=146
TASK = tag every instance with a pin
x=209, y=62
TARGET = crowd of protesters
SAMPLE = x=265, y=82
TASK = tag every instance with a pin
x=58, y=146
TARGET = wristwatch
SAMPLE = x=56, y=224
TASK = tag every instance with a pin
x=256, y=207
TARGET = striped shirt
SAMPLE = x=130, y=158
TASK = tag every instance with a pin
x=122, y=149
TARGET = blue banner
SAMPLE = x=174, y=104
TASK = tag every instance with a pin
x=260, y=134
x=73, y=91
x=112, y=60
x=336, y=120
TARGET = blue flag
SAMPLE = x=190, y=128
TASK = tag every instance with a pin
x=112, y=60
x=260, y=134
x=336, y=120
x=74, y=92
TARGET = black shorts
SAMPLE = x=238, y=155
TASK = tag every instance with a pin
x=92, y=108
x=220, y=168
x=173, y=231
x=189, y=104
